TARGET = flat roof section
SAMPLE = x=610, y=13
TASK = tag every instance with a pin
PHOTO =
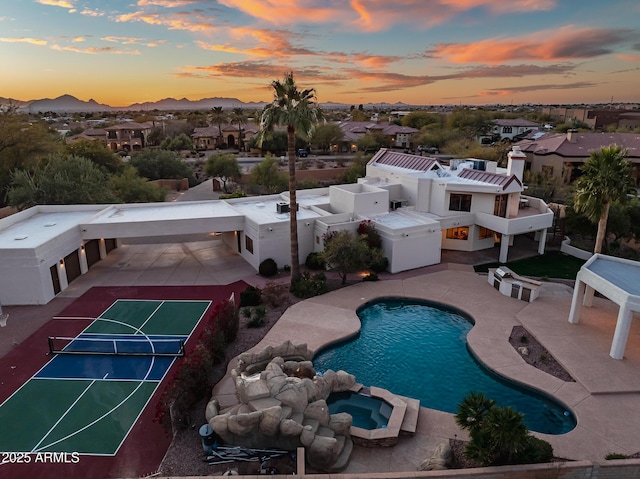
x=119, y=214
x=41, y=228
x=265, y=211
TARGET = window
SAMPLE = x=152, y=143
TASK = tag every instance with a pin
x=248, y=244
x=484, y=233
x=459, y=202
x=461, y=233
x=507, y=129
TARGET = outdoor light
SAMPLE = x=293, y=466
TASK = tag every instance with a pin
x=62, y=263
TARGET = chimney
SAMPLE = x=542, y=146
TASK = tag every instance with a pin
x=572, y=136
x=515, y=166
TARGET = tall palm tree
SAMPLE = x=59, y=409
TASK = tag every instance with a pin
x=218, y=117
x=298, y=110
x=238, y=117
x=606, y=179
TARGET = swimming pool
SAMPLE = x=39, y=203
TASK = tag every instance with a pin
x=419, y=349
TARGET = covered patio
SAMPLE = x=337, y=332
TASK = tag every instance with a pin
x=618, y=280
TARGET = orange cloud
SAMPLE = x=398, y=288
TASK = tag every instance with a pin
x=57, y=3
x=627, y=57
x=168, y=3
x=95, y=50
x=33, y=41
x=500, y=6
x=566, y=43
x=91, y=13
x=175, y=21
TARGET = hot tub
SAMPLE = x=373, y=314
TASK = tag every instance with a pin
x=367, y=412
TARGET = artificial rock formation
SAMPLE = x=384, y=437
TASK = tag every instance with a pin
x=282, y=404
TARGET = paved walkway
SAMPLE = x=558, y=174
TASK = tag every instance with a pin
x=605, y=396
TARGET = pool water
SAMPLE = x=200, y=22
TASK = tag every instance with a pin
x=419, y=349
x=366, y=412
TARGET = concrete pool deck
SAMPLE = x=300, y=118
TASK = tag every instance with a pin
x=605, y=396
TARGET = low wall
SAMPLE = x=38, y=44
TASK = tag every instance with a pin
x=178, y=185
x=617, y=469
x=7, y=211
x=566, y=248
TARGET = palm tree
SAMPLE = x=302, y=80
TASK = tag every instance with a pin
x=218, y=117
x=473, y=410
x=239, y=118
x=298, y=110
x=506, y=433
x=606, y=179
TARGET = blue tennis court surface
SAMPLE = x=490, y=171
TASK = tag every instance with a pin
x=87, y=401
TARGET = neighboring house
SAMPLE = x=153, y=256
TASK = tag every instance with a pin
x=399, y=136
x=416, y=204
x=597, y=118
x=511, y=129
x=129, y=136
x=91, y=134
x=208, y=138
x=562, y=154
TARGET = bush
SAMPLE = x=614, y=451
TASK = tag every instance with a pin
x=258, y=317
x=275, y=294
x=536, y=451
x=315, y=261
x=615, y=455
x=371, y=277
x=251, y=296
x=379, y=262
x=268, y=268
x=308, y=286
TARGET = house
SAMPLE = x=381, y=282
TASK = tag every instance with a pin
x=399, y=136
x=208, y=138
x=510, y=129
x=128, y=136
x=562, y=154
x=90, y=134
x=417, y=205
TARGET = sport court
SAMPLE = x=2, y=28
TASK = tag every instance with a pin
x=90, y=394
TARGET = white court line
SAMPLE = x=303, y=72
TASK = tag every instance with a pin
x=151, y=316
x=65, y=414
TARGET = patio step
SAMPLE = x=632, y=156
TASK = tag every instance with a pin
x=410, y=421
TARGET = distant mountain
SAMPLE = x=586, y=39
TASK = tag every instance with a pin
x=4, y=102
x=70, y=104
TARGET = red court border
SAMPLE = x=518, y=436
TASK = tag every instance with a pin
x=147, y=442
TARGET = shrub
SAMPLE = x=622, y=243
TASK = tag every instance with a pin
x=371, y=277
x=615, y=455
x=275, y=294
x=268, y=268
x=315, y=261
x=368, y=233
x=308, y=286
x=250, y=297
x=258, y=318
x=536, y=451
x=226, y=317
x=379, y=263
x=524, y=339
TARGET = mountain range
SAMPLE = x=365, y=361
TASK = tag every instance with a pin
x=71, y=104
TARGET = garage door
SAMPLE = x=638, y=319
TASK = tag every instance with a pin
x=92, y=252
x=110, y=244
x=72, y=266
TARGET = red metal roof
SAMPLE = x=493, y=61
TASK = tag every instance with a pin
x=403, y=160
x=486, y=177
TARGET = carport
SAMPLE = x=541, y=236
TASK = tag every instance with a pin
x=618, y=280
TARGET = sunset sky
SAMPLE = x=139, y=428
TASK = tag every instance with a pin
x=421, y=52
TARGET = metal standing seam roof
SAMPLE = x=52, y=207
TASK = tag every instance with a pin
x=406, y=161
x=488, y=177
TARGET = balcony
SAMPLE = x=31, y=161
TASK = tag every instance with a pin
x=535, y=215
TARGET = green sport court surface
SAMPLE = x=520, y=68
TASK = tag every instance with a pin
x=88, y=403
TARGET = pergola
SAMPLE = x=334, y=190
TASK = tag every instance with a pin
x=617, y=279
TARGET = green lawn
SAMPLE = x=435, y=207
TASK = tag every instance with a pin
x=549, y=265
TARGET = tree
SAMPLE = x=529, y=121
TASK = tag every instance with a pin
x=129, y=187
x=160, y=165
x=96, y=152
x=61, y=180
x=344, y=252
x=325, y=135
x=419, y=119
x=238, y=117
x=267, y=175
x=179, y=142
x=224, y=166
x=219, y=118
x=357, y=168
x=473, y=410
x=274, y=142
x=22, y=144
x=298, y=110
x=373, y=142
x=606, y=179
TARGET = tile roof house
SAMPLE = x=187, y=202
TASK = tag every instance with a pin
x=129, y=136
x=208, y=138
x=562, y=154
x=400, y=136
